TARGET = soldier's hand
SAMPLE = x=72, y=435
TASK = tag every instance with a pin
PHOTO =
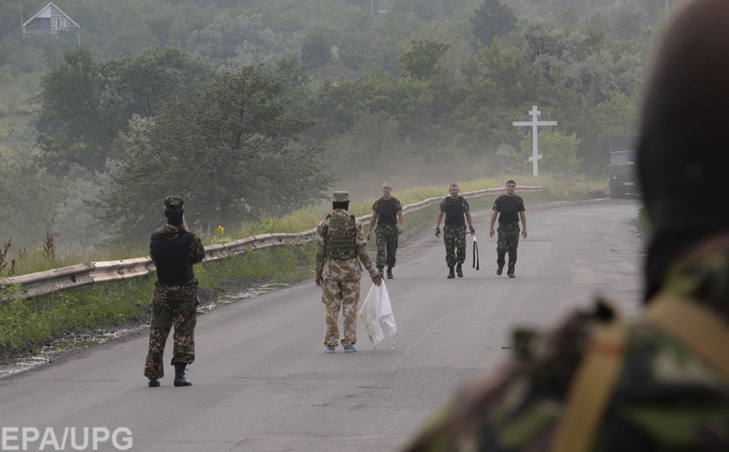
x=491, y=232
x=317, y=280
x=376, y=277
x=437, y=231
x=470, y=228
x=400, y=230
x=368, y=236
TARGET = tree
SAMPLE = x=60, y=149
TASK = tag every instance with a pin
x=234, y=155
x=490, y=20
x=558, y=153
x=422, y=59
x=72, y=128
x=316, y=50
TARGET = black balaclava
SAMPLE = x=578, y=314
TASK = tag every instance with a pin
x=683, y=158
x=174, y=210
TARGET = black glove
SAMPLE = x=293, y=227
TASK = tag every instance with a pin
x=437, y=231
x=470, y=228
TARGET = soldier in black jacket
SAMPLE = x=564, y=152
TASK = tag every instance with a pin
x=174, y=250
x=509, y=208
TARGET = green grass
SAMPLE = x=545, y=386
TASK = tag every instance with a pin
x=26, y=326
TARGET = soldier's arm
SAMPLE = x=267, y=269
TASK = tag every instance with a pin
x=401, y=217
x=197, y=250
x=373, y=221
x=320, y=249
x=522, y=214
x=494, y=214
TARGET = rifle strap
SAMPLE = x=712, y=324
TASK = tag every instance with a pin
x=589, y=392
x=703, y=331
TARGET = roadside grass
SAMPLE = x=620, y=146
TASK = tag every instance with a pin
x=70, y=317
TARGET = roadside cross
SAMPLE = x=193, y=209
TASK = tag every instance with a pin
x=534, y=123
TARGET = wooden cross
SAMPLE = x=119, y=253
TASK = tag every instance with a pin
x=534, y=123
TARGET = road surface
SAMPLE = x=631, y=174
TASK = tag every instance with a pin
x=263, y=383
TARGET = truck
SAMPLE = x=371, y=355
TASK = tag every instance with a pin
x=623, y=177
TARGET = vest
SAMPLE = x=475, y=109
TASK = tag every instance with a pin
x=341, y=236
x=509, y=208
x=454, y=211
x=386, y=211
x=172, y=259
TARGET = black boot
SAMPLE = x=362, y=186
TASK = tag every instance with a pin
x=180, y=375
x=451, y=274
x=389, y=273
x=459, y=271
x=500, y=270
x=153, y=383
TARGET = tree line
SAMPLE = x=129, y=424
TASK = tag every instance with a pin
x=252, y=115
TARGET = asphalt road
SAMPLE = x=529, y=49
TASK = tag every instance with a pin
x=263, y=383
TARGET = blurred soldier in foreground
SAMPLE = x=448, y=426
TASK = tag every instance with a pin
x=385, y=212
x=340, y=246
x=174, y=250
x=454, y=207
x=660, y=383
x=508, y=208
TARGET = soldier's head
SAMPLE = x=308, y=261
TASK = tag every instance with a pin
x=340, y=200
x=454, y=189
x=174, y=210
x=510, y=187
x=683, y=152
x=386, y=190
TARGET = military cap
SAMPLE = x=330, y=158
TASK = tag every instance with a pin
x=340, y=196
x=174, y=203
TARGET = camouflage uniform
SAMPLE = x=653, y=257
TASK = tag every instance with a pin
x=173, y=305
x=387, y=235
x=508, y=240
x=454, y=234
x=340, y=279
x=666, y=397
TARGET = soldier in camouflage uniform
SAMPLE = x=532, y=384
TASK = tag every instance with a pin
x=340, y=246
x=174, y=250
x=385, y=213
x=508, y=208
x=660, y=382
x=455, y=208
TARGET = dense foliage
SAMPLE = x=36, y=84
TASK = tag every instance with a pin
x=251, y=108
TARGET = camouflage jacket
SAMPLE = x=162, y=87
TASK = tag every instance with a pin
x=666, y=397
x=341, y=269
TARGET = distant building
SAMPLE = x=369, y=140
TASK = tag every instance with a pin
x=50, y=20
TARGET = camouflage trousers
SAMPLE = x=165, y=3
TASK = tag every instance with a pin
x=454, y=237
x=386, y=245
x=507, y=243
x=172, y=306
x=338, y=295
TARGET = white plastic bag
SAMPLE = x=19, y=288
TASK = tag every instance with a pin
x=376, y=313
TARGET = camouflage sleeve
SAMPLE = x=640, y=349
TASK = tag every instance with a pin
x=361, y=245
x=443, y=205
x=521, y=207
x=376, y=205
x=197, y=250
x=320, y=247
x=497, y=204
x=466, y=206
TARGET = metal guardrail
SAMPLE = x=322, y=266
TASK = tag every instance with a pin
x=43, y=283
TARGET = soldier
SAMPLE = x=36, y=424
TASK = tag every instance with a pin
x=174, y=250
x=454, y=231
x=508, y=208
x=661, y=382
x=385, y=212
x=340, y=246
